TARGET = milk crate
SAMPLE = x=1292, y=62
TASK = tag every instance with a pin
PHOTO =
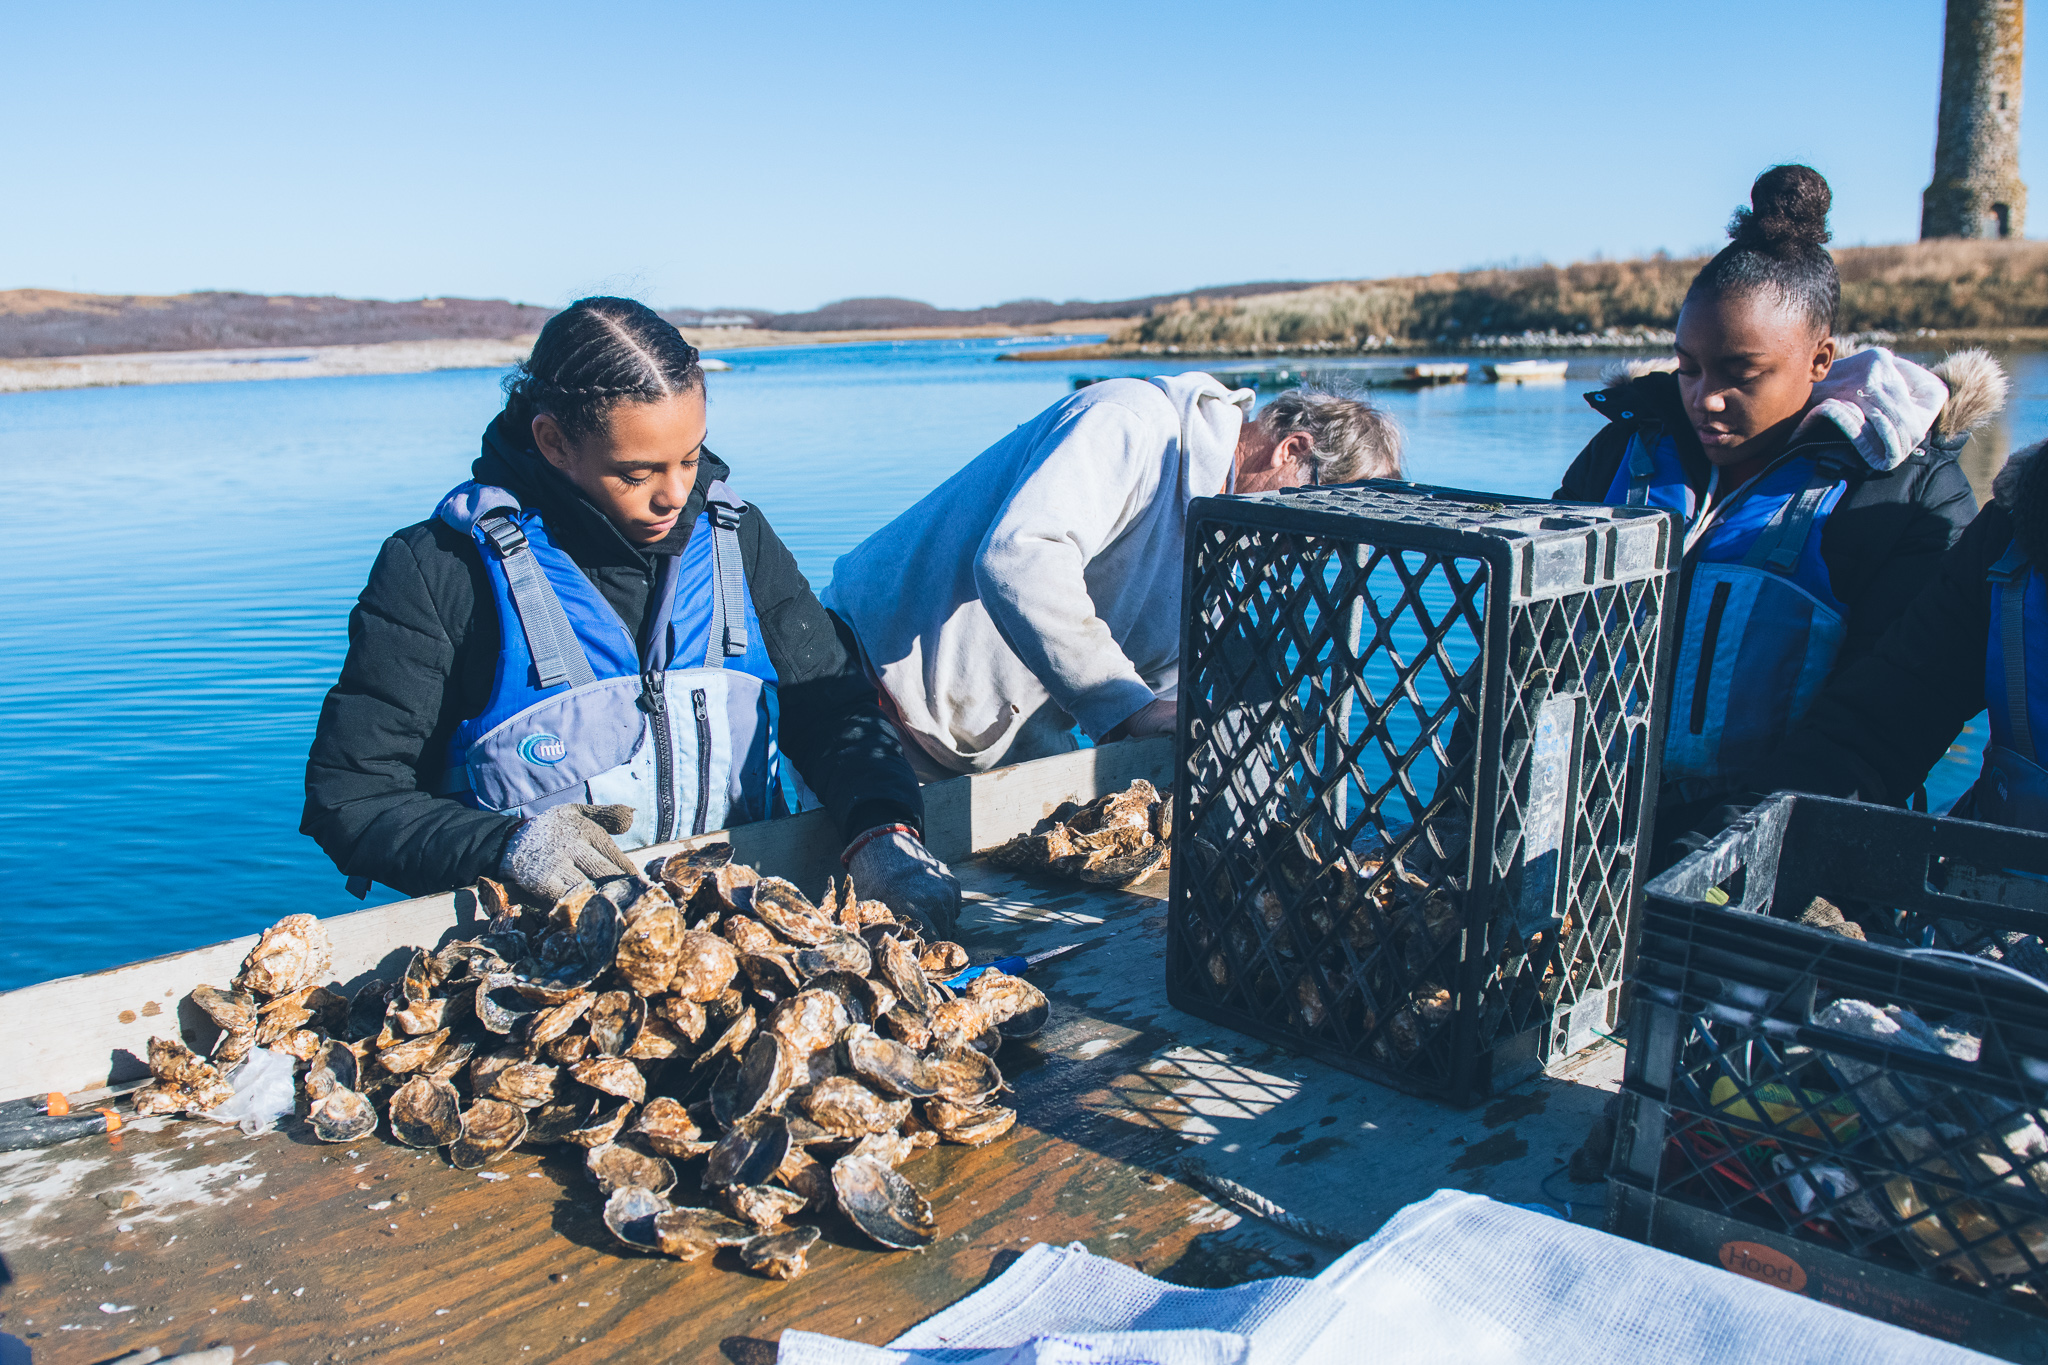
x=1860, y=1122
x=1417, y=730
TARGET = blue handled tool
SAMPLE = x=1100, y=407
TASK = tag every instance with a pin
x=1013, y=966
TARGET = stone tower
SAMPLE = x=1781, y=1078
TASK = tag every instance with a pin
x=1977, y=190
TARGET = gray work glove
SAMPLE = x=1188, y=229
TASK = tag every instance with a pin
x=893, y=867
x=561, y=848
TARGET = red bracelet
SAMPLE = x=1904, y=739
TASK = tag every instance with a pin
x=861, y=841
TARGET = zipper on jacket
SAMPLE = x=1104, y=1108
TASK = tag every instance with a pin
x=656, y=707
x=697, y=704
x=1708, y=639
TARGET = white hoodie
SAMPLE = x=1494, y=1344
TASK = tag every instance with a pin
x=1041, y=584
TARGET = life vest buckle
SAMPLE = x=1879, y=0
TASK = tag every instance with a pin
x=506, y=537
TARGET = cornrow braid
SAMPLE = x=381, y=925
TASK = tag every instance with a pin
x=597, y=353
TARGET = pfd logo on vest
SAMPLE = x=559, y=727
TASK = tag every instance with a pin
x=544, y=749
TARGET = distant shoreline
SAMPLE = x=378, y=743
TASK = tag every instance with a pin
x=418, y=357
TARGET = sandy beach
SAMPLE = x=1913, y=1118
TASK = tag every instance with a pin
x=413, y=357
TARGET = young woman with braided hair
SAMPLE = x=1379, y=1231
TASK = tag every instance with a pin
x=593, y=645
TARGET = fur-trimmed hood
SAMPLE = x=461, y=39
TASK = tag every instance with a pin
x=1886, y=406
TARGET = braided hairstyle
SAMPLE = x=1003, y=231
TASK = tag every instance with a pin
x=1778, y=244
x=593, y=355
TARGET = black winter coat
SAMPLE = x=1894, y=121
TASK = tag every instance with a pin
x=1883, y=540
x=423, y=645
x=1881, y=544
x=1884, y=722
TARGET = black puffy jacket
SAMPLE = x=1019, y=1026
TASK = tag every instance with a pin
x=1882, y=543
x=423, y=645
x=1885, y=721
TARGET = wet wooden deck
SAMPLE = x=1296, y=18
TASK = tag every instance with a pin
x=305, y=1252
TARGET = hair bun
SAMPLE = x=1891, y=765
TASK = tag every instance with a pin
x=1789, y=212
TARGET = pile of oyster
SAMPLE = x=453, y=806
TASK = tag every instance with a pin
x=1369, y=932
x=1112, y=841
x=789, y=1055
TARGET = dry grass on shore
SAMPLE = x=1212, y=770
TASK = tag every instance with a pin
x=1943, y=285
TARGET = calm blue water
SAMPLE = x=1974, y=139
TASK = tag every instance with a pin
x=177, y=564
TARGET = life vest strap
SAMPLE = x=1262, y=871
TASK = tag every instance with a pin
x=728, y=635
x=1781, y=543
x=1642, y=463
x=557, y=654
x=2010, y=573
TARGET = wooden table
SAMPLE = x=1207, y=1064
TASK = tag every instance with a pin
x=289, y=1247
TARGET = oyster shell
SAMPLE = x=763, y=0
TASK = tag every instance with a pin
x=366, y=1009
x=490, y=1129
x=343, y=1116
x=882, y=1204
x=300, y=1043
x=655, y=1040
x=439, y=1012
x=897, y=966
x=806, y=1175
x=667, y=1127
x=411, y=1054
x=612, y=1075
x=966, y=1124
x=783, y=908
x=421, y=975
x=630, y=1214
x=705, y=966
x=426, y=1112
x=1017, y=1008
x=526, y=1084
x=334, y=1067
x=170, y=1060
x=772, y=975
x=810, y=1021
x=888, y=1065
x=234, y=1011
x=687, y=1234
x=614, y=1167
x=685, y=1016
x=959, y=1022
x=891, y=1149
x=500, y=1005
x=601, y=1121
x=747, y=935
x=291, y=955
x=761, y=1205
x=782, y=1256
x=651, y=944
x=573, y=1048
x=962, y=1075
x=767, y=1073
x=555, y=1021
x=942, y=959
x=749, y=1154
x=840, y=953
x=230, y=1048
x=845, y=1106
x=907, y=1028
x=615, y=1020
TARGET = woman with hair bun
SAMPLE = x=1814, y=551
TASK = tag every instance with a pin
x=594, y=644
x=1817, y=490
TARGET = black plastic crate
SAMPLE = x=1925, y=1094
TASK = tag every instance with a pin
x=1862, y=1122
x=1417, y=726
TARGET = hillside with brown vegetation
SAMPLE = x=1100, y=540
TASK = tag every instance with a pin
x=1946, y=285
x=46, y=322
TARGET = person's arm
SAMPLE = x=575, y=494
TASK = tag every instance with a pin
x=1101, y=469
x=1887, y=718
x=832, y=726
x=375, y=754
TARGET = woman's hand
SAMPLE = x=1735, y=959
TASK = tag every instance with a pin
x=560, y=849
x=893, y=866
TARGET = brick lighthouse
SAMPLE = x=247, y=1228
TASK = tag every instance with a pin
x=1976, y=190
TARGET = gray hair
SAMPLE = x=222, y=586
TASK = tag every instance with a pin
x=1352, y=439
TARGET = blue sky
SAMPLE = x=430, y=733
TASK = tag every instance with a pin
x=775, y=155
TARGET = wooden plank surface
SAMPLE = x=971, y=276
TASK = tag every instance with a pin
x=82, y=1032
x=1116, y=1089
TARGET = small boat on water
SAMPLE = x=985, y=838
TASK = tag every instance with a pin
x=1431, y=373
x=710, y=364
x=1527, y=372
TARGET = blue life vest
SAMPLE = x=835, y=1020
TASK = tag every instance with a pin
x=1762, y=623
x=679, y=725
x=2012, y=789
